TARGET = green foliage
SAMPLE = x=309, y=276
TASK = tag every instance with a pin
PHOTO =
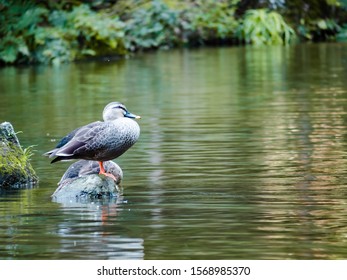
x=18, y=24
x=342, y=35
x=263, y=27
x=311, y=10
x=213, y=20
x=319, y=30
x=152, y=27
x=33, y=34
x=53, y=45
x=78, y=33
x=99, y=32
x=15, y=167
x=156, y=25
x=28, y=152
x=326, y=29
x=61, y=31
x=337, y=3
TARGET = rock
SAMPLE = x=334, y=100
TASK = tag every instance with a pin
x=86, y=187
x=82, y=181
x=15, y=168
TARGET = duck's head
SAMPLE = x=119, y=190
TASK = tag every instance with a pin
x=115, y=110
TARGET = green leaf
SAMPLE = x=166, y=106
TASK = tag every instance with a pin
x=9, y=55
x=263, y=27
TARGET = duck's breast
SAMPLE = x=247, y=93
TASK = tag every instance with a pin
x=117, y=137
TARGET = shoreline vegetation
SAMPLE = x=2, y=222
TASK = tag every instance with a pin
x=55, y=32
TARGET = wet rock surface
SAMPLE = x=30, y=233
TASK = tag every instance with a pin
x=91, y=186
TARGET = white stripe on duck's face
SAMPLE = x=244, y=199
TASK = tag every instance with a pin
x=114, y=110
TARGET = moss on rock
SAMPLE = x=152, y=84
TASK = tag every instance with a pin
x=15, y=168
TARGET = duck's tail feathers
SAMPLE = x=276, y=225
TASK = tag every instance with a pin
x=56, y=159
x=62, y=158
x=49, y=153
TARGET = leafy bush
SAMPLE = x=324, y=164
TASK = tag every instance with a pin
x=98, y=33
x=263, y=27
x=159, y=26
x=153, y=27
x=62, y=31
x=18, y=24
x=78, y=33
x=53, y=46
x=319, y=30
x=342, y=35
x=32, y=34
x=213, y=20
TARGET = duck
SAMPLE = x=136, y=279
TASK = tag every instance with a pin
x=87, y=167
x=101, y=140
x=84, y=168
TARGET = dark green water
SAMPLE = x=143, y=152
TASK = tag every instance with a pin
x=242, y=155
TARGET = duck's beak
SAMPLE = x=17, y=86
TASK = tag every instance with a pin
x=131, y=116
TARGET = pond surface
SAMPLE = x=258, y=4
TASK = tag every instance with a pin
x=242, y=155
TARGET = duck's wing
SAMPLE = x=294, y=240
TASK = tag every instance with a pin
x=77, y=145
x=73, y=171
x=68, y=138
x=90, y=167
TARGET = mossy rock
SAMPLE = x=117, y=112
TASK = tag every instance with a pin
x=15, y=168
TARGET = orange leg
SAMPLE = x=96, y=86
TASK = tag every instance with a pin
x=103, y=172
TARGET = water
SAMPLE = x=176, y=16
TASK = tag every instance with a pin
x=242, y=155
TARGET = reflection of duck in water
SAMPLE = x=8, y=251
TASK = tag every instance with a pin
x=100, y=141
x=94, y=186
